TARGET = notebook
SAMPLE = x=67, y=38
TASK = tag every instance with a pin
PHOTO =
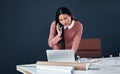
x=60, y=55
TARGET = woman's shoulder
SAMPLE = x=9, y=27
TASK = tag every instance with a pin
x=78, y=23
x=53, y=23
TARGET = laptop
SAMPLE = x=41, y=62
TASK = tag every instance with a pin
x=60, y=55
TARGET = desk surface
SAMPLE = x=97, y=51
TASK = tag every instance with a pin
x=101, y=66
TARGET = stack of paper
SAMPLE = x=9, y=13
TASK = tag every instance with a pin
x=45, y=69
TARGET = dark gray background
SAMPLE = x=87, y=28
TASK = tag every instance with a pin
x=24, y=28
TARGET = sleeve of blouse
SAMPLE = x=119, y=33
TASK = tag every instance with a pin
x=77, y=38
x=53, y=39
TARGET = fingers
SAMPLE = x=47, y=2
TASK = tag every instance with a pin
x=59, y=29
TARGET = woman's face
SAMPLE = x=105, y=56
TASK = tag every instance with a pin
x=65, y=19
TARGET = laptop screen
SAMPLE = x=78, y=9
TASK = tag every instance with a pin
x=60, y=55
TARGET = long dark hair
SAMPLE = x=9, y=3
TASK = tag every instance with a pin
x=62, y=10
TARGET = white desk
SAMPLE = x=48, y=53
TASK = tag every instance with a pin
x=104, y=65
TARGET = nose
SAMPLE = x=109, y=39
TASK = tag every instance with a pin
x=64, y=22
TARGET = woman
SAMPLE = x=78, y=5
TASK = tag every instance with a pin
x=65, y=31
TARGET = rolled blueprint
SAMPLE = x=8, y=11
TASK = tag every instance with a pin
x=76, y=65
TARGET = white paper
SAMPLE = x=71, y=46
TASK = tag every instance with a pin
x=108, y=62
x=54, y=69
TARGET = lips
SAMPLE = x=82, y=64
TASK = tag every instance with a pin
x=66, y=24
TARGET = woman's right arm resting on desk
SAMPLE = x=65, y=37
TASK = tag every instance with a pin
x=53, y=38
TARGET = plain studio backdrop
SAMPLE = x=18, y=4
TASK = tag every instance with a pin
x=25, y=24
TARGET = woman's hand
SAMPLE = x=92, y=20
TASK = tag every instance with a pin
x=59, y=30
